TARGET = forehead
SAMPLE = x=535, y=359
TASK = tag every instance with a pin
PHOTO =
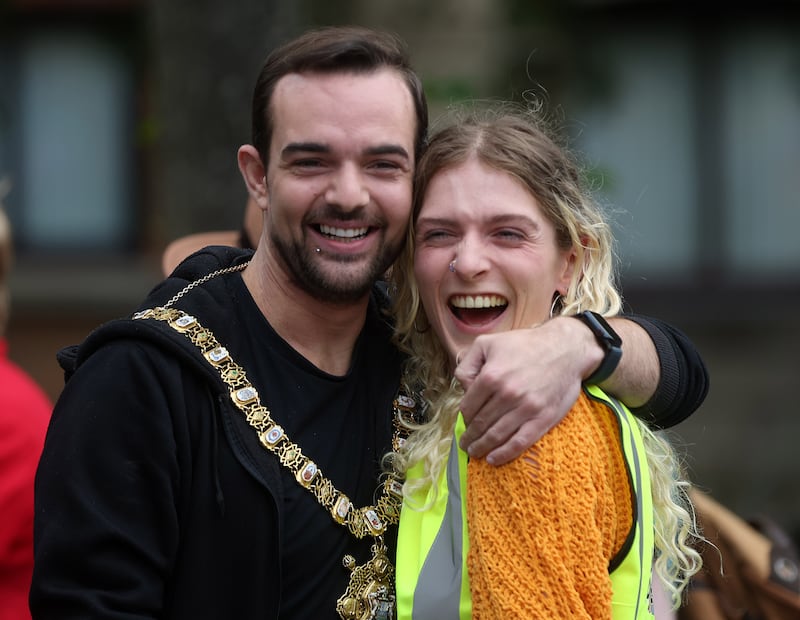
x=478, y=189
x=343, y=110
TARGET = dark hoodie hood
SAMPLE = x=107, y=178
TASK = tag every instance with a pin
x=193, y=268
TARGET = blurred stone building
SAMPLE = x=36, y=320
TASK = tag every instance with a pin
x=120, y=120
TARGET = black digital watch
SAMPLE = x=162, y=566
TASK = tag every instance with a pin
x=608, y=339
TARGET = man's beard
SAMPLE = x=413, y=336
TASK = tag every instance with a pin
x=302, y=266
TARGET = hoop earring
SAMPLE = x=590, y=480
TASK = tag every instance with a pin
x=556, y=302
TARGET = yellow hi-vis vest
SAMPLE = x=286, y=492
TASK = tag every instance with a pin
x=432, y=545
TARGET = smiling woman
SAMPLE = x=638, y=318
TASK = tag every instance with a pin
x=506, y=258
x=504, y=237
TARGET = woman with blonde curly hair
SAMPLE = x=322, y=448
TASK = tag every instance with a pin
x=504, y=236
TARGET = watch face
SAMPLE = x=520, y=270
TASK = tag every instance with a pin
x=608, y=339
x=602, y=330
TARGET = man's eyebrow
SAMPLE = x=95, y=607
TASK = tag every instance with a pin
x=387, y=149
x=304, y=147
x=318, y=147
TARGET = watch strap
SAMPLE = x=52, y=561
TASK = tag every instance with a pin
x=608, y=339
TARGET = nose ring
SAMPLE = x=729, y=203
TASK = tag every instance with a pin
x=452, y=266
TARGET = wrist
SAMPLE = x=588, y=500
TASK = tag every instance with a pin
x=609, y=342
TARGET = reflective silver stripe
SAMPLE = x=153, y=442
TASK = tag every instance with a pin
x=438, y=592
x=630, y=449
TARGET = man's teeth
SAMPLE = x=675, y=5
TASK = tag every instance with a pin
x=346, y=233
x=478, y=301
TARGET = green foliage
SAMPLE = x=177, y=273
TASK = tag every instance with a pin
x=448, y=90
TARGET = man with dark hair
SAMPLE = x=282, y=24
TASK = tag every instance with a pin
x=217, y=455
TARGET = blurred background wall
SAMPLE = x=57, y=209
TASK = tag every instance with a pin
x=120, y=120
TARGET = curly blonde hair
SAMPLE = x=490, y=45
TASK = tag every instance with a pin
x=517, y=141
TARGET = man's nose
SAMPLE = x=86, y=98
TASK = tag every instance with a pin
x=347, y=188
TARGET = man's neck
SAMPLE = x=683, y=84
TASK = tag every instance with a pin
x=322, y=332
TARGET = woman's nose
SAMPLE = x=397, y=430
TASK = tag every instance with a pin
x=471, y=259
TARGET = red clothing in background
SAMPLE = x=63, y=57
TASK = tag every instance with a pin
x=24, y=415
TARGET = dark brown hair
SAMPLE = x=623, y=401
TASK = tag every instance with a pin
x=334, y=49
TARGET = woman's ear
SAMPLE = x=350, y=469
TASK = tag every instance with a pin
x=570, y=258
x=253, y=173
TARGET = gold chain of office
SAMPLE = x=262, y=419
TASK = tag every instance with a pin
x=370, y=592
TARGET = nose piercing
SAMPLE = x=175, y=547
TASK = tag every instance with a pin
x=452, y=266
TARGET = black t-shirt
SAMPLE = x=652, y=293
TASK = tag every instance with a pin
x=341, y=423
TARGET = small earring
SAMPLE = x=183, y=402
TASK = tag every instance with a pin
x=452, y=266
x=556, y=302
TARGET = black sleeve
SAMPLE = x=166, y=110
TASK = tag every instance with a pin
x=106, y=522
x=684, y=378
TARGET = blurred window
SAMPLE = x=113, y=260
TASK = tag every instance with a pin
x=695, y=137
x=67, y=145
x=761, y=153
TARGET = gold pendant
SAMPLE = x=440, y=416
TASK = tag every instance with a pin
x=370, y=592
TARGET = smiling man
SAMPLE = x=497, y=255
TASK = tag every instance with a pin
x=337, y=188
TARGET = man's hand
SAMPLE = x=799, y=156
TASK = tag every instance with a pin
x=519, y=384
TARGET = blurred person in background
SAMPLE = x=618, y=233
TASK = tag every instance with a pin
x=24, y=415
x=177, y=478
x=246, y=237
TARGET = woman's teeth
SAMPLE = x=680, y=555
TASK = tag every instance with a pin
x=478, y=301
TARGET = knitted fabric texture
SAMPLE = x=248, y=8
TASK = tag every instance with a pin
x=544, y=527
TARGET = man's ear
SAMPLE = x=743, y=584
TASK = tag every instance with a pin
x=253, y=173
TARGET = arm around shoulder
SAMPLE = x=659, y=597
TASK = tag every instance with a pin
x=660, y=363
